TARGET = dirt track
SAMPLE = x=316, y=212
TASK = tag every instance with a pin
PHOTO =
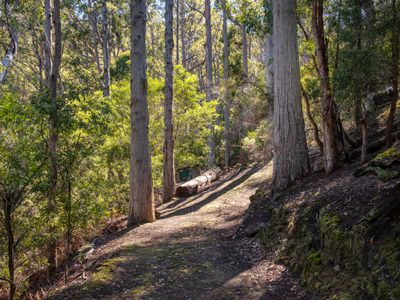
x=189, y=253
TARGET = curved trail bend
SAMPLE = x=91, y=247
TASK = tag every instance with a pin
x=189, y=253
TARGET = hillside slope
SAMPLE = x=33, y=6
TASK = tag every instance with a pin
x=339, y=233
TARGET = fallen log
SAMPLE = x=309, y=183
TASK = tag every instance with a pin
x=191, y=187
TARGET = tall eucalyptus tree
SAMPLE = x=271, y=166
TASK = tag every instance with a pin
x=141, y=205
x=168, y=164
x=291, y=160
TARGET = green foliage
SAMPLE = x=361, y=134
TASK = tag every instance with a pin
x=21, y=168
x=191, y=116
x=93, y=157
x=121, y=69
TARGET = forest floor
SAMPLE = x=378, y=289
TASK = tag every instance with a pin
x=189, y=253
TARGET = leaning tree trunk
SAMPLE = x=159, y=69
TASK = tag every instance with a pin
x=395, y=75
x=106, y=51
x=209, y=79
x=312, y=120
x=291, y=160
x=226, y=92
x=331, y=151
x=141, y=205
x=169, y=168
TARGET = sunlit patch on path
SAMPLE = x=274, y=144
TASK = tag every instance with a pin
x=189, y=253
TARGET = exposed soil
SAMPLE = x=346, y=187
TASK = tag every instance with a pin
x=339, y=233
x=191, y=252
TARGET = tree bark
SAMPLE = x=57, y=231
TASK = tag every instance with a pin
x=269, y=63
x=47, y=42
x=177, y=31
x=8, y=210
x=364, y=134
x=357, y=76
x=312, y=120
x=141, y=205
x=182, y=33
x=52, y=27
x=209, y=79
x=395, y=75
x=291, y=160
x=168, y=166
x=331, y=151
x=245, y=52
x=226, y=92
x=55, y=68
x=192, y=187
x=92, y=15
x=106, y=51
x=12, y=49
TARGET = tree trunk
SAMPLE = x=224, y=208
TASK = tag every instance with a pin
x=364, y=133
x=93, y=22
x=182, y=26
x=193, y=186
x=240, y=134
x=245, y=52
x=226, y=92
x=12, y=49
x=47, y=42
x=55, y=67
x=169, y=168
x=331, y=152
x=52, y=67
x=106, y=51
x=68, y=210
x=291, y=160
x=312, y=120
x=177, y=31
x=357, y=76
x=395, y=75
x=141, y=205
x=8, y=209
x=269, y=63
x=209, y=79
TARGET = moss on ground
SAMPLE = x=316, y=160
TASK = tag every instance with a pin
x=390, y=152
x=340, y=263
x=104, y=273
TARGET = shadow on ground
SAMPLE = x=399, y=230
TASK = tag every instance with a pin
x=179, y=267
x=188, y=205
x=187, y=254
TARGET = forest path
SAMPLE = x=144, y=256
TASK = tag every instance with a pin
x=190, y=253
